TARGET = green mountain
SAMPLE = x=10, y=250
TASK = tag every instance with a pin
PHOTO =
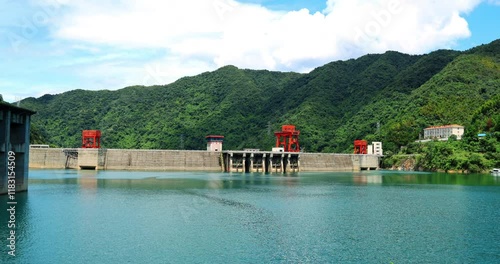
x=386, y=97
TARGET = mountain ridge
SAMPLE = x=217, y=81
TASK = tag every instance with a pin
x=386, y=97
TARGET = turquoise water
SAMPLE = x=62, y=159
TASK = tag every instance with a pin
x=166, y=217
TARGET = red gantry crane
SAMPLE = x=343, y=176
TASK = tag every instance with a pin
x=360, y=147
x=288, y=138
x=91, y=139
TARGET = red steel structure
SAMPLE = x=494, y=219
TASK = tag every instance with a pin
x=360, y=147
x=91, y=139
x=288, y=138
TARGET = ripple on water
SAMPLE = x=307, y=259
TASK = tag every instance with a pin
x=158, y=217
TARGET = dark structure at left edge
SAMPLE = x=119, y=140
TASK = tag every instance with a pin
x=14, y=141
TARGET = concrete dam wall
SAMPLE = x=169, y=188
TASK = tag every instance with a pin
x=125, y=159
x=337, y=162
x=49, y=158
x=174, y=160
x=189, y=160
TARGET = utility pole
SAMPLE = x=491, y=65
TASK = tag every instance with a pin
x=182, y=142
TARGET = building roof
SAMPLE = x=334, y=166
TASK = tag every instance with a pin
x=214, y=136
x=5, y=105
x=445, y=126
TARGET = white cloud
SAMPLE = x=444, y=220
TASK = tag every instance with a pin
x=120, y=74
x=201, y=35
x=199, y=27
x=13, y=92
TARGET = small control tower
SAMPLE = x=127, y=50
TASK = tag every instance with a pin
x=214, y=142
x=91, y=139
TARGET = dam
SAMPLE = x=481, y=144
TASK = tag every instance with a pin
x=198, y=160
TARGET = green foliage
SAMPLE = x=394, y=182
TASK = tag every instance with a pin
x=228, y=101
x=444, y=156
x=386, y=97
x=471, y=154
x=37, y=135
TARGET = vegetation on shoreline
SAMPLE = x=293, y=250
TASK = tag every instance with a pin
x=471, y=154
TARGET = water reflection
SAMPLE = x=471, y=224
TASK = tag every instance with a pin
x=90, y=181
x=367, y=179
x=440, y=178
x=360, y=217
x=17, y=223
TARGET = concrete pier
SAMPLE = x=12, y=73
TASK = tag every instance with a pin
x=14, y=147
x=260, y=161
x=284, y=162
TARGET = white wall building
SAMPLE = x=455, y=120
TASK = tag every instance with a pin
x=443, y=132
x=214, y=142
x=375, y=148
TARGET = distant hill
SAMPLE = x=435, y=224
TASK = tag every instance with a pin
x=386, y=97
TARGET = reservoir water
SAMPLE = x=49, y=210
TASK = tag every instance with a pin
x=70, y=216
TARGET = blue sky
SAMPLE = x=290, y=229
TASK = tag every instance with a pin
x=52, y=46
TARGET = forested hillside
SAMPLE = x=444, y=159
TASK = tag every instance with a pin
x=386, y=97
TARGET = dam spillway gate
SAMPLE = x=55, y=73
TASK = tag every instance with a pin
x=260, y=161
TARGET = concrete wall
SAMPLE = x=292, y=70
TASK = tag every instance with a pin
x=337, y=162
x=50, y=158
x=183, y=160
x=168, y=160
x=127, y=159
x=14, y=145
x=88, y=158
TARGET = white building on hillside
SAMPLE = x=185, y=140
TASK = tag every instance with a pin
x=443, y=132
x=375, y=148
